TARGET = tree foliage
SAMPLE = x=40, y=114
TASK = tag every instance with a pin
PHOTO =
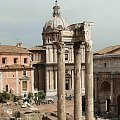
x=41, y=95
x=4, y=96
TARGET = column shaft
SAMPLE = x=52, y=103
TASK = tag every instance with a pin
x=61, y=81
x=77, y=82
x=111, y=91
x=89, y=114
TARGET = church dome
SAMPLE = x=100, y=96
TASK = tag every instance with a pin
x=56, y=22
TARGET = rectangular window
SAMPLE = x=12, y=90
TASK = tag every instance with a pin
x=4, y=60
x=24, y=73
x=6, y=88
x=25, y=60
x=24, y=85
x=66, y=56
x=15, y=60
x=105, y=64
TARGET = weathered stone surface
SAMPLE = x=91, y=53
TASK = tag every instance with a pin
x=53, y=116
x=61, y=80
x=33, y=116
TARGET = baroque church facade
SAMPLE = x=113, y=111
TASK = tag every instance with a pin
x=45, y=57
x=107, y=80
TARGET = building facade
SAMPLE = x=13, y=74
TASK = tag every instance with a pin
x=16, y=73
x=107, y=80
x=45, y=56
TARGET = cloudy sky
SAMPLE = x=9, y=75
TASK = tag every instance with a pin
x=24, y=19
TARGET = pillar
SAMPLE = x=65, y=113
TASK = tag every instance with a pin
x=77, y=82
x=17, y=85
x=32, y=80
x=96, y=102
x=111, y=91
x=61, y=81
x=89, y=108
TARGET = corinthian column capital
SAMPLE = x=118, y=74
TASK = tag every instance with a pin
x=89, y=45
x=60, y=47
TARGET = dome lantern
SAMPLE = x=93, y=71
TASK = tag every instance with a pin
x=56, y=10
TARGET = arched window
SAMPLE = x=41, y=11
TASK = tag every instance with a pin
x=105, y=86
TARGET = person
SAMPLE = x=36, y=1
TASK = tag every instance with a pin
x=70, y=97
x=96, y=116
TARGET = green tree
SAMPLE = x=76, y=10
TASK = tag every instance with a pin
x=41, y=95
x=30, y=95
x=4, y=97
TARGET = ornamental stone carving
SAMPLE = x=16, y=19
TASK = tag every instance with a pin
x=60, y=47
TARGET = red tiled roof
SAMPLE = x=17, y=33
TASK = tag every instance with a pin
x=109, y=50
x=12, y=49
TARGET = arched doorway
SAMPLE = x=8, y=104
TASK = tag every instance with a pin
x=118, y=104
x=105, y=96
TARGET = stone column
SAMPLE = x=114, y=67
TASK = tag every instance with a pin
x=89, y=108
x=96, y=92
x=111, y=91
x=61, y=80
x=32, y=80
x=112, y=104
x=77, y=82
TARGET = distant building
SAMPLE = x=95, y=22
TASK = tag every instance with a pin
x=16, y=73
x=107, y=80
x=45, y=56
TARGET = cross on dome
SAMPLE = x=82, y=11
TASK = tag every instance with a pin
x=56, y=3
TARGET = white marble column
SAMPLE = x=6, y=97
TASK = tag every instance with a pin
x=89, y=108
x=77, y=82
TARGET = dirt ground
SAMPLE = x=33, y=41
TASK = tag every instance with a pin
x=53, y=107
x=43, y=108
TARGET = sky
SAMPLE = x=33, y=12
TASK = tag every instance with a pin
x=23, y=20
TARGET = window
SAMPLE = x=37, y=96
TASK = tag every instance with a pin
x=66, y=56
x=24, y=73
x=25, y=60
x=4, y=60
x=24, y=85
x=105, y=64
x=6, y=88
x=15, y=60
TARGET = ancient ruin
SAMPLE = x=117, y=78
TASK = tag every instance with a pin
x=81, y=36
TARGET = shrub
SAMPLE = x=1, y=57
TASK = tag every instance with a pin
x=41, y=95
x=4, y=97
x=15, y=98
x=30, y=95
